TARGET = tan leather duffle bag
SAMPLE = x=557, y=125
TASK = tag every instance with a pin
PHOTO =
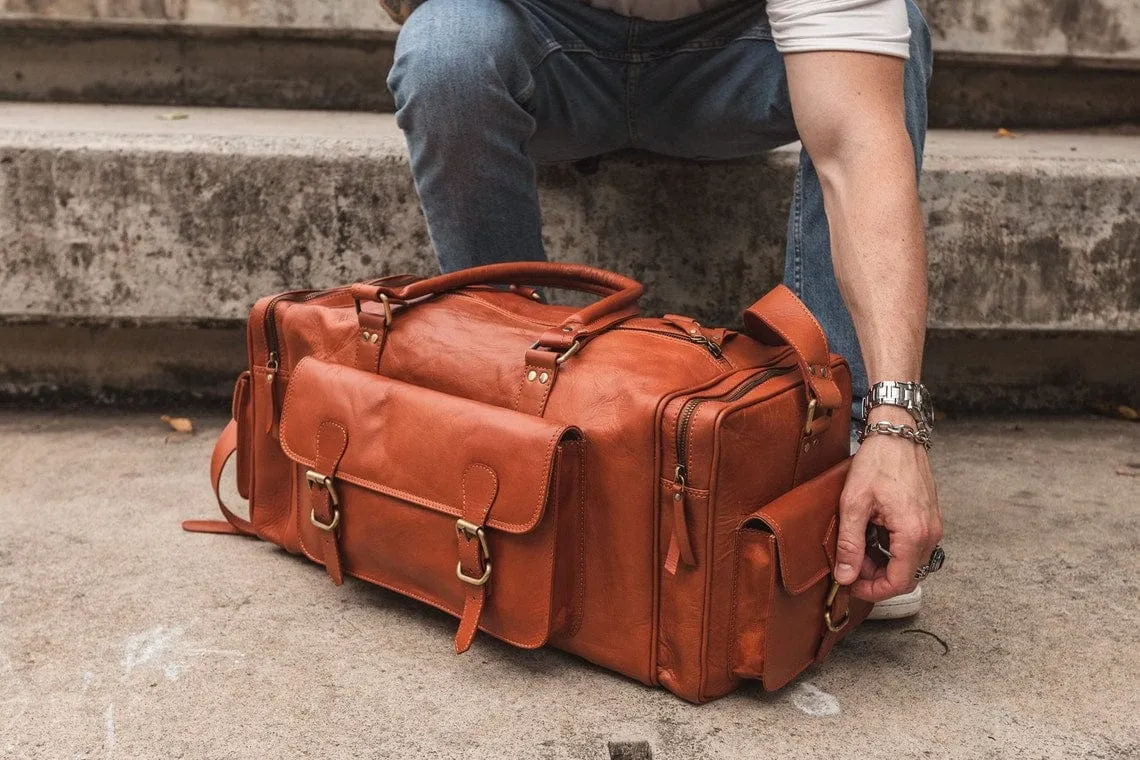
x=654, y=495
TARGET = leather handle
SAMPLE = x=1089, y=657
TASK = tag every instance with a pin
x=778, y=319
x=618, y=293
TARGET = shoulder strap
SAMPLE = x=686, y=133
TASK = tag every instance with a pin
x=224, y=448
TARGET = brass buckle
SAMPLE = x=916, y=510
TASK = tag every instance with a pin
x=812, y=406
x=575, y=347
x=831, y=594
x=468, y=531
x=387, y=308
x=326, y=481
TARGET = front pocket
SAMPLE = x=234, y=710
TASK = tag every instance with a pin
x=785, y=552
x=410, y=461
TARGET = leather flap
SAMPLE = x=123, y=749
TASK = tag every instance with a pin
x=805, y=522
x=415, y=444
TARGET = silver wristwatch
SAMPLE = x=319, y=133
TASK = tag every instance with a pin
x=910, y=396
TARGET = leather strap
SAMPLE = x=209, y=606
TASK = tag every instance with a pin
x=370, y=342
x=332, y=440
x=224, y=448
x=779, y=318
x=538, y=378
x=618, y=294
x=480, y=486
x=680, y=542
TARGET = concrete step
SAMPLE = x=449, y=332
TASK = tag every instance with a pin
x=112, y=217
x=998, y=63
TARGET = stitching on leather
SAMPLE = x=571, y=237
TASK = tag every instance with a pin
x=580, y=521
x=494, y=496
x=523, y=527
x=733, y=631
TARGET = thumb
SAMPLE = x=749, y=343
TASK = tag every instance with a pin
x=851, y=544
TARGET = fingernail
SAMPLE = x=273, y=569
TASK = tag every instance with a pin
x=843, y=570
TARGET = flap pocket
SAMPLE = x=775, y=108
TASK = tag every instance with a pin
x=784, y=557
x=402, y=479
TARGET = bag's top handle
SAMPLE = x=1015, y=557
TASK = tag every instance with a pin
x=779, y=318
x=619, y=294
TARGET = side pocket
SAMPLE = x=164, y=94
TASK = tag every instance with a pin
x=785, y=551
x=778, y=632
x=242, y=412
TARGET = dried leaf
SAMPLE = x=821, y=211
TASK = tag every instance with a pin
x=179, y=424
x=1003, y=132
x=1128, y=472
x=175, y=116
x=1127, y=413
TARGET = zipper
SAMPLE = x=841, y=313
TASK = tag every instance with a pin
x=699, y=340
x=691, y=406
x=271, y=339
x=680, y=543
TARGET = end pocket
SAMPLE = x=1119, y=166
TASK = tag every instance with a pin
x=785, y=552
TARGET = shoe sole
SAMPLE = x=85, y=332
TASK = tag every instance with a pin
x=898, y=607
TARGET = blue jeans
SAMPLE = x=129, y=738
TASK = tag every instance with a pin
x=485, y=89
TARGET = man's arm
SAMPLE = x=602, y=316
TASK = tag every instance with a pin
x=848, y=109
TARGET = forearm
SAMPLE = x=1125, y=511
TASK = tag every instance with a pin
x=878, y=250
x=849, y=112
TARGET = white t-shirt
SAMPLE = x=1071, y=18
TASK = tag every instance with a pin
x=869, y=26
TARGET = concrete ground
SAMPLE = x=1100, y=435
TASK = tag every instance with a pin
x=123, y=637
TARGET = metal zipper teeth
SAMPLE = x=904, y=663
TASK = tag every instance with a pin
x=715, y=350
x=271, y=323
x=712, y=348
x=692, y=404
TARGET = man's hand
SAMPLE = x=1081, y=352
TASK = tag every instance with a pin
x=890, y=485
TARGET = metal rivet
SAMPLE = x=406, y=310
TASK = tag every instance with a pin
x=811, y=370
x=567, y=329
x=364, y=335
x=692, y=332
x=531, y=375
x=374, y=337
x=806, y=446
x=543, y=378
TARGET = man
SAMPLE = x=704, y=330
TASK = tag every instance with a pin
x=486, y=88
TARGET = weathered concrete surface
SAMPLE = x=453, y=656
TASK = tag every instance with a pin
x=288, y=14
x=1048, y=63
x=113, y=212
x=122, y=637
x=1100, y=31
x=1105, y=31
x=192, y=63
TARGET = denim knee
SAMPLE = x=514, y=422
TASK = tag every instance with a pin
x=460, y=57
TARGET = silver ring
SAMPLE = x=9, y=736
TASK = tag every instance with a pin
x=933, y=565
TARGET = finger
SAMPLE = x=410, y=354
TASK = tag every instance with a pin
x=851, y=545
x=907, y=547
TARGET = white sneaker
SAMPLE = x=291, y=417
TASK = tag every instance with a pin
x=898, y=607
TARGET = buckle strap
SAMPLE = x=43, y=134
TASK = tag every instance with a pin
x=324, y=512
x=480, y=486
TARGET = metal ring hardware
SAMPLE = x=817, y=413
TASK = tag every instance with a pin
x=323, y=526
x=574, y=348
x=468, y=531
x=387, y=308
x=325, y=481
x=831, y=593
x=812, y=406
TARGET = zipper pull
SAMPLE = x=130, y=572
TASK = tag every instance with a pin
x=697, y=334
x=680, y=543
x=272, y=365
